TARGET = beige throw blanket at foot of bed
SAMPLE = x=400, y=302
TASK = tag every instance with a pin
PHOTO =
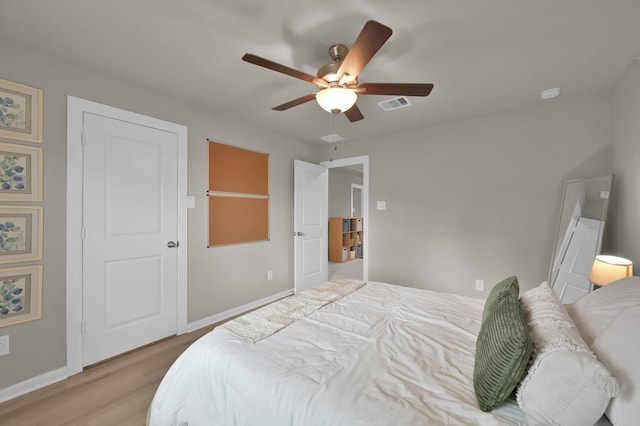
x=269, y=319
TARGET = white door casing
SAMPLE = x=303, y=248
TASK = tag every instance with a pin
x=116, y=223
x=310, y=195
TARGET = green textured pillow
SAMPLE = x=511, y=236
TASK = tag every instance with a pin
x=505, y=288
x=503, y=350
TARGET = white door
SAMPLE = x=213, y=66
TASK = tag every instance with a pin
x=578, y=251
x=130, y=221
x=311, y=232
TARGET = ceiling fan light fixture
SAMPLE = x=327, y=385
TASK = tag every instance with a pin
x=336, y=99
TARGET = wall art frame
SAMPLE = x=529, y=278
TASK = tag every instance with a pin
x=20, y=233
x=20, y=173
x=20, y=294
x=20, y=112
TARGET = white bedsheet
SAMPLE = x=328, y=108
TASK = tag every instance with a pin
x=384, y=355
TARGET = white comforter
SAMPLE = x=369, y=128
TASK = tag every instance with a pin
x=384, y=355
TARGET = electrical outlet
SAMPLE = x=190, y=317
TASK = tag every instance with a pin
x=479, y=285
x=4, y=345
x=269, y=275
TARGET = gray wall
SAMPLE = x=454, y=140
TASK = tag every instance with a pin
x=626, y=143
x=479, y=198
x=340, y=180
x=219, y=278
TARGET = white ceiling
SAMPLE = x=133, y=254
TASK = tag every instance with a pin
x=483, y=56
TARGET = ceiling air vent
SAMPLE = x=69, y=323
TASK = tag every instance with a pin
x=332, y=138
x=395, y=103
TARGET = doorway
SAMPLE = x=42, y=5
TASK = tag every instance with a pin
x=348, y=198
x=311, y=210
x=101, y=237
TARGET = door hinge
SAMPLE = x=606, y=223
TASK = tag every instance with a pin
x=82, y=138
x=83, y=233
x=83, y=328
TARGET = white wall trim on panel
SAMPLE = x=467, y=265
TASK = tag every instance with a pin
x=33, y=384
x=205, y=322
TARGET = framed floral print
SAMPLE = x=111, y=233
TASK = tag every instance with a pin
x=20, y=112
x=20, y=294
x=20, y=173
x=20, y=233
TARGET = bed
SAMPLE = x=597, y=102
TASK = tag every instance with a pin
x=373, y=354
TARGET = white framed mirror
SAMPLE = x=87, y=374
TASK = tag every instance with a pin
x=583, y=215
x=356, y=200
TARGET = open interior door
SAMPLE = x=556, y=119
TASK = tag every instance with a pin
x=310, y=199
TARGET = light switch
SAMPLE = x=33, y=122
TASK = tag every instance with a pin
x=191, y=202
x=382, y=205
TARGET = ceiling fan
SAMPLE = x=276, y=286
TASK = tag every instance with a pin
x=338, y=81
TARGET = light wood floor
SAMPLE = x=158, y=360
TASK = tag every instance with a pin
x=114, y=392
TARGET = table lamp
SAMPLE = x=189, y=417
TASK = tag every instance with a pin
x=607, y=269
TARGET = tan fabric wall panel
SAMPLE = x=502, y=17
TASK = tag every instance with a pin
x=238, y=220
x=238, y=195
x=237, y=170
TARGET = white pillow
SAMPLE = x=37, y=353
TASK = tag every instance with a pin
x=565, y=384
x=593, y=312
x=618, y=347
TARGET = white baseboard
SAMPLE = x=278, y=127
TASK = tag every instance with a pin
x=33, y=384
x=196, y=325
x=60, y=374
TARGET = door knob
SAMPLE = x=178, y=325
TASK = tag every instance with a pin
x=172, y=244
x=298, y=234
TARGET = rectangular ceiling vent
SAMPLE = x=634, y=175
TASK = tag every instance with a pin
x=332, y=138
x=395, y=103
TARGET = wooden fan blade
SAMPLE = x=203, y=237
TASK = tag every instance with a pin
x=369, y=41
x=354, y=113
x=395, y=89
x=266, y=63
x=295, y=102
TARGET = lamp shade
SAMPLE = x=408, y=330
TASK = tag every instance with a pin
x=336, y=99
x=607, y=269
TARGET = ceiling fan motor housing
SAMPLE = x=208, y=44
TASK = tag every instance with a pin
x=337, y=52
x=329, y=72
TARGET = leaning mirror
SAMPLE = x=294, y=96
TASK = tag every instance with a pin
x=356, y=200
x=583, y=214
